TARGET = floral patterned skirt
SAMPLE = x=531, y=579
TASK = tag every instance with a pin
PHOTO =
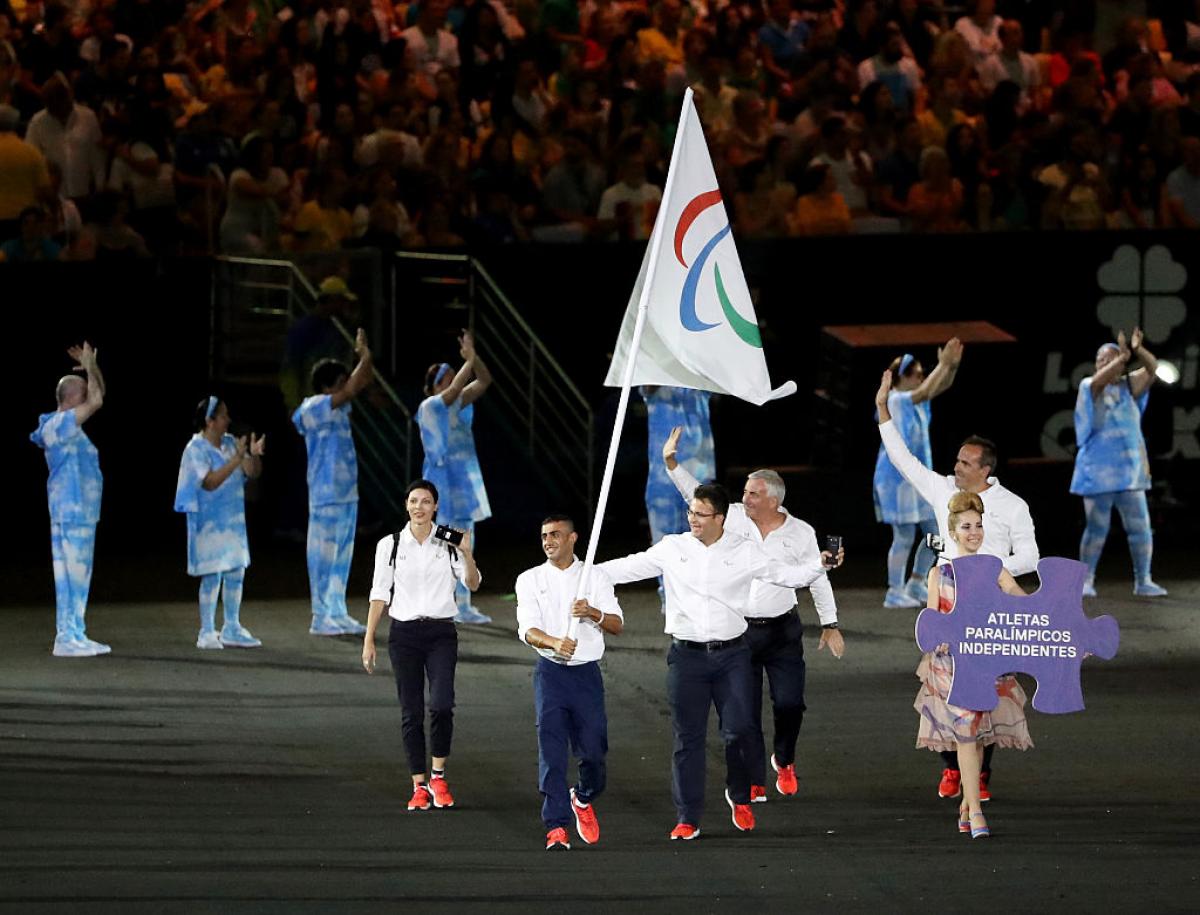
x=943, y=726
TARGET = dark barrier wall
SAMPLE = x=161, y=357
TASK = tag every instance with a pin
x=1057, y=294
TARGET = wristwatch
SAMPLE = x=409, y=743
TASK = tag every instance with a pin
x=833, y=625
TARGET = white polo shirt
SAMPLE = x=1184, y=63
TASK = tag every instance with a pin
x=792, y=543
x=708, y=587
x=75, y=146
x=1007, y=524
x=544, y=597
x=424, y=577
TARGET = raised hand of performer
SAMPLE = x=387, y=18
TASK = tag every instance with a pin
x=671, y=448
x=242, y=445
x=466, y=345
x=258, y=445
x=881, y=396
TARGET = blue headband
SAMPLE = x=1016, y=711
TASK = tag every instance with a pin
x=212, y=407
x=906, y=362
x=442, y=372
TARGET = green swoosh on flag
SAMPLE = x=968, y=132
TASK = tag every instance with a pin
x=746, y=330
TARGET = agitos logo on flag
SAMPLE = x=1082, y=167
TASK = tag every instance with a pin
x=700, y=330
x=746, y=330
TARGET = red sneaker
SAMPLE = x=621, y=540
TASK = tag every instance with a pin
x=421, y=799
x=557, y=838
x=685, y=831
x=785, y=782
x=441, y=792
x=586, y=823
x=743, y=816
x=758, y=794
x=984, y=794
x=951, y=783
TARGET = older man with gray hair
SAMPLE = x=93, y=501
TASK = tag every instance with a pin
x=774, y=631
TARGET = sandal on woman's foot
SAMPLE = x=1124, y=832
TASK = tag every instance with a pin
x=964, y=820
x=979, y=832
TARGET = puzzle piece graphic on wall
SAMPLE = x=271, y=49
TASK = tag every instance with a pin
x=1044, y=634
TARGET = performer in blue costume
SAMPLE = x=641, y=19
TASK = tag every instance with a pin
x=1111, y=464
x=666, y=409
x=324, y=421
x=451, y=464
x=897, y=501
x=73, y=491
x=211, y=491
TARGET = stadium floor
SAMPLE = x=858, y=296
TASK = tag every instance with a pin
x=162, y=778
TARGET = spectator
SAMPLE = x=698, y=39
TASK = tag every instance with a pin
x=852, y=171
x=782, y=38
x=380, y=210
x=919, y=26
x=820, y=209
x=32, y=244
x=879, y=116
x=69, y=134
x=1013, y=65
x=899, y=73
x=981, y=29
x=746, y=139
x=23, y=176
x=1182, y=189
x=1189, y=111
x=758, y=212
x=861, y=36
x=935, y=203
x=431, y=46
x=322, y=223
x=901, y=170
x=632, y=202
x=115, y=238
x=572, y=189
x=713, y=96
x=969, y=167
x=1142, y=197
x=1078, y=192
x=62, y=217
x=52, y=48
x=257, y=192
x=663, y=41
x=943, y=112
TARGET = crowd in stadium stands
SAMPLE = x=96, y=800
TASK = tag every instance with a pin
x=132, y=127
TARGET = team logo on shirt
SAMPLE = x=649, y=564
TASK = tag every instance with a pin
x=747, y=331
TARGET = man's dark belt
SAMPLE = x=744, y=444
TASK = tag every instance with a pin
x=770, y=620
x=710, y=646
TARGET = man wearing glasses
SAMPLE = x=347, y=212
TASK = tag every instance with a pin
x=708, y=576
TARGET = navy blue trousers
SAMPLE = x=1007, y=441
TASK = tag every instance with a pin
x=569, y=702
x=696, y=680
x=776, y=649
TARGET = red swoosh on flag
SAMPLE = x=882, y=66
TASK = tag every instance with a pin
x=695, y=207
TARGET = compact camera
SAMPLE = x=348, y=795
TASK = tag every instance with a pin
x=935, y=543
x=448, y=534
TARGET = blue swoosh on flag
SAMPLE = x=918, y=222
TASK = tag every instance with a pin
x=687, y=302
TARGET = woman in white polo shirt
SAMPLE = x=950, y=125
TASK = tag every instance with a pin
x=415, y=575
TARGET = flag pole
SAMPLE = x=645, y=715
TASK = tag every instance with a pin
x=627, y=382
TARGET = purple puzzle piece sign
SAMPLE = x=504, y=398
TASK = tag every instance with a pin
x=1043, y=634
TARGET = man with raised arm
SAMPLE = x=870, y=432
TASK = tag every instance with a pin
x=708, y=575
x=73, y=489
x=775, y=633
x=1007, y=526
x=323, y=419
x=568, y=689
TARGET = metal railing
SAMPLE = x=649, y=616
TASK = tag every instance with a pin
x=554, y=422
x=254, y=301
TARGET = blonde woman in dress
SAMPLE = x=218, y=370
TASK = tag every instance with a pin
x=947, y=727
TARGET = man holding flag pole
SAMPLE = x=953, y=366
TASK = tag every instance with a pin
x=690, y=323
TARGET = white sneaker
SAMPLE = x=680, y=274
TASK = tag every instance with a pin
x=1146, y=588
x=72, y=648
x=209, y=639
x=324, y=625
x=100, y=647
x=1089, y=587
x=899, y=599
x=349, y=625
x=472, y=615
x=238, y=637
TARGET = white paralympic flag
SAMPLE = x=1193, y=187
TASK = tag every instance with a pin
x=700, y=330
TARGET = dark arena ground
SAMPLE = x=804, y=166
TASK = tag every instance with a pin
x=165, y=779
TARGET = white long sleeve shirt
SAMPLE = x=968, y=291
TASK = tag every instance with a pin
x=1007, y=524
x=544, y=598
x=792, y=543
x=708, y=587
x=424, y=577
